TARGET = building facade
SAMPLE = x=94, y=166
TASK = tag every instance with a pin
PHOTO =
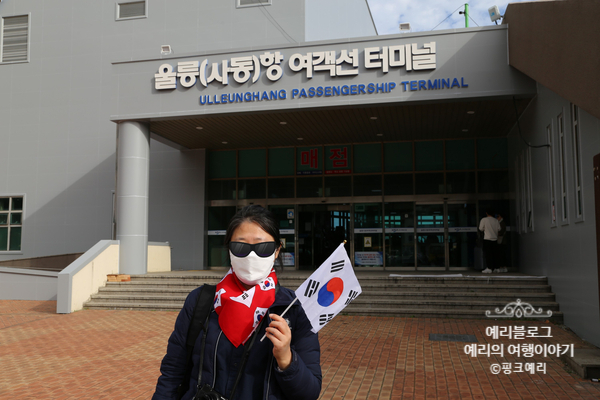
x=155, y=120
x=552, y=155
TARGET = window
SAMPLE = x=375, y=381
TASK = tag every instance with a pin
x=562, y=148
x=577, y=161
x=131, y=10
x=429, y=155
x=252, y=3
x=11, y=223
x=367, y=158
x=551, y=183
x=460, y=154
x=252, y=163
x=398, y=157
x=14, y=39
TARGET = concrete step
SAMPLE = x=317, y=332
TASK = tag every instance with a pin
x=445, y=304
x=406, y=296
x=298, y=279
x=585, y=362
x=350, y=310
x=374, y=294
x=360, y=302
x=412, y=287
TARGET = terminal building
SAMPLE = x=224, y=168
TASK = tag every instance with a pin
x=153, y=121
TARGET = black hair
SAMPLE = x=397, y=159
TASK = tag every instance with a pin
x=489, y=212
x=260, y=216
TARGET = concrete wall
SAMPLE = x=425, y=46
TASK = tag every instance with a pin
x=88, y=273
x=159, y=257
x=57, y=143
x=23, y=284
x=337, y=19
x=176, y=212
x=566, y=253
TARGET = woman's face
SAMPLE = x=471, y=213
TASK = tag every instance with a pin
x=251, y=233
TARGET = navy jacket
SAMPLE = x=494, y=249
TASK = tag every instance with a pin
x=261, y=378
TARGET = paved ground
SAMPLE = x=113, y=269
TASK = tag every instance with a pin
x=116, y=355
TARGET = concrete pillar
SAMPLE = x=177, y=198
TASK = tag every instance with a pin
x=133, y=173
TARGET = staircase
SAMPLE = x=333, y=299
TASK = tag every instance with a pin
x=407, y=296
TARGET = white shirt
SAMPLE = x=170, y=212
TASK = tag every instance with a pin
x=490, y=227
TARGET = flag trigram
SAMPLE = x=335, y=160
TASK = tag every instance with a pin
x=311, y=288
x=351, y=296
x=337, y=266
x=325, y=318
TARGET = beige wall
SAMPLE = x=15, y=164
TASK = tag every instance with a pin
x=93, y=275
x=159, y=258
x=87, y=274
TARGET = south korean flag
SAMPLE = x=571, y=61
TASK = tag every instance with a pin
x=259, y=314
x=217, y=302
x=329, y=289
x=267, y=284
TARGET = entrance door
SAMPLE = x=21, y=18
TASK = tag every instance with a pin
x=446, y=235
x=285, y=214
x=321, y=229
x=462, y=235
x=431, y=237
x=368, y=235
x=400, y=235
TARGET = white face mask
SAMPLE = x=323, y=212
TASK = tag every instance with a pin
x=252, y=269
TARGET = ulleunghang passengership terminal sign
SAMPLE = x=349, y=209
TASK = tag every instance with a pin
x=409, y=57
x=437, y=66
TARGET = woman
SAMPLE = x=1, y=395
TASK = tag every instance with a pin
x=286, y=366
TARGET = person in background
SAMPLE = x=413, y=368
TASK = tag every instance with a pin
x=501, y=245
x=490, y=228
x=285, y=366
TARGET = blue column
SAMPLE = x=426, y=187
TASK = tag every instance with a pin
x=133, y=166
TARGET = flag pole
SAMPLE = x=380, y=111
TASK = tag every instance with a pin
x=282, y=314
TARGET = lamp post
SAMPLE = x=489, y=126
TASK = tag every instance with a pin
x=466, y=12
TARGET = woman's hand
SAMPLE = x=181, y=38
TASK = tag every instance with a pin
x=280, y=335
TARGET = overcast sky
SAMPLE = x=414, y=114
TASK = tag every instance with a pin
x=424, y=15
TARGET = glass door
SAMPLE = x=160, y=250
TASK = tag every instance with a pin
x=399, y=235
x=321, y=229
x=431, y=237
x=368, y=235
x=218, y=221
x=286, y=215
x=462, y=235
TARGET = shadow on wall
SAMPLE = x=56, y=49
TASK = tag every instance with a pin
x=74, y=218
x=177, y=204
x=62, y=219
x=50, y=263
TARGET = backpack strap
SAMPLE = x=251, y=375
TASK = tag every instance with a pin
x=202, y=310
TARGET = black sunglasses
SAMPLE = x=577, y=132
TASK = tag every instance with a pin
x=264, y=249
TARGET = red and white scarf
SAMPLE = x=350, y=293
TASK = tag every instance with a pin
x=240, y=310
